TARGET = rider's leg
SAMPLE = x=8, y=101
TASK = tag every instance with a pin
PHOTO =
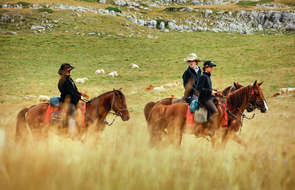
x=72, y=119
x=210, y=107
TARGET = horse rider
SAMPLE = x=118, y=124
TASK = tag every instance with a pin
x=207, y=94
x=191, y=78
x=69, y=92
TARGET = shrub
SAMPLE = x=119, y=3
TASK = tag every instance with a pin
x=161, y=20
x=113, y=9
x=45, y=10
x=173, y=9
x=24, y=4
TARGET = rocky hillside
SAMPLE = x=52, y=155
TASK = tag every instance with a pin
x=161, y=15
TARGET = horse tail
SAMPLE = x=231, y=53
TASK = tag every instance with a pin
x=20, y=124
x=147, y=109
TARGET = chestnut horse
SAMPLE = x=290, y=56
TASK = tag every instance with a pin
x=169, y=101
x=159, y=118
x=237, y=102
x=97, y=110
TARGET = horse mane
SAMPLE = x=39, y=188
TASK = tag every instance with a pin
x=106, y=93
x=236, y=98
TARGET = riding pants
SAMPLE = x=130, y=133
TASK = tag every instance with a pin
x=210, y=106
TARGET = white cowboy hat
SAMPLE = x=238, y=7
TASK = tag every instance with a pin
x=192, y=57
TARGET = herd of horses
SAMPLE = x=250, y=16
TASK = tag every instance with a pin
x=165, y=118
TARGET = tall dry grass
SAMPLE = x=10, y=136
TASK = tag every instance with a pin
x=121, y=158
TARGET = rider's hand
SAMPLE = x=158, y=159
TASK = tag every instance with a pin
x=219, y=93
x=83, y=93
x=213, y=93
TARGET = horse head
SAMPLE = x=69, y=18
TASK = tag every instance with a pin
x=119, y=105
x=235, y=87
x=257, y=99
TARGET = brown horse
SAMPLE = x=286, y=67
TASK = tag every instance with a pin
x=158, y=127
x=162, y=117
x=171, y=120
x=97, y=110
x=169, y=101
x=237, y=102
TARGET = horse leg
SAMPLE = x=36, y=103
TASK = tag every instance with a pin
x=20, y=125
x=237, y=139
x=175, y=132
x=219, y=133
x=155, y=134
x=226, y=136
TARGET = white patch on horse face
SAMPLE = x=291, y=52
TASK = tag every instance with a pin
x=265, y=105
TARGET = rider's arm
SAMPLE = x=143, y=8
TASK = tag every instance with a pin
x=185, y=78
x=203, y=87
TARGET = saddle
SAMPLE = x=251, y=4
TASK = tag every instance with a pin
x=200, y=113
x=55, y=115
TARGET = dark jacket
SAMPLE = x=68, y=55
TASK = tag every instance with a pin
x=205, y=87
x=190, y=74
x=67, y=87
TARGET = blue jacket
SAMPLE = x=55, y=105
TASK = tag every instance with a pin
x=67, y=87
x=190, y=74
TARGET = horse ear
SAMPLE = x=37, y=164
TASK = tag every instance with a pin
x=259, y=84
x=255, y=83
x=236, y=84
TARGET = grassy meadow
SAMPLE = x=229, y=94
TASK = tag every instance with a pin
x=122, y=157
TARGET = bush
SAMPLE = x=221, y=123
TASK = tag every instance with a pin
x=173, y=9
x=45, y=10
x=24, y=4
x=114, y=9
x=161, y=20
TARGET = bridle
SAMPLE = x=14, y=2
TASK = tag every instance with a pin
x=117, y=111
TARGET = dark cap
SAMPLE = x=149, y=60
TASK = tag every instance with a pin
x=209, y=64
x=64, y=68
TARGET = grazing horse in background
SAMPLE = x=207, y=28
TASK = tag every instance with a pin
x=237, y=102
x=97, y=110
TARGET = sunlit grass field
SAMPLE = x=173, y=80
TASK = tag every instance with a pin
x=122, y=157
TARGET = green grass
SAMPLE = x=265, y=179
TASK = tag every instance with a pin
x=29, y=62
x=36, y=59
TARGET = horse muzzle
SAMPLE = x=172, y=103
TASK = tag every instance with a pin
x=125, y=116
